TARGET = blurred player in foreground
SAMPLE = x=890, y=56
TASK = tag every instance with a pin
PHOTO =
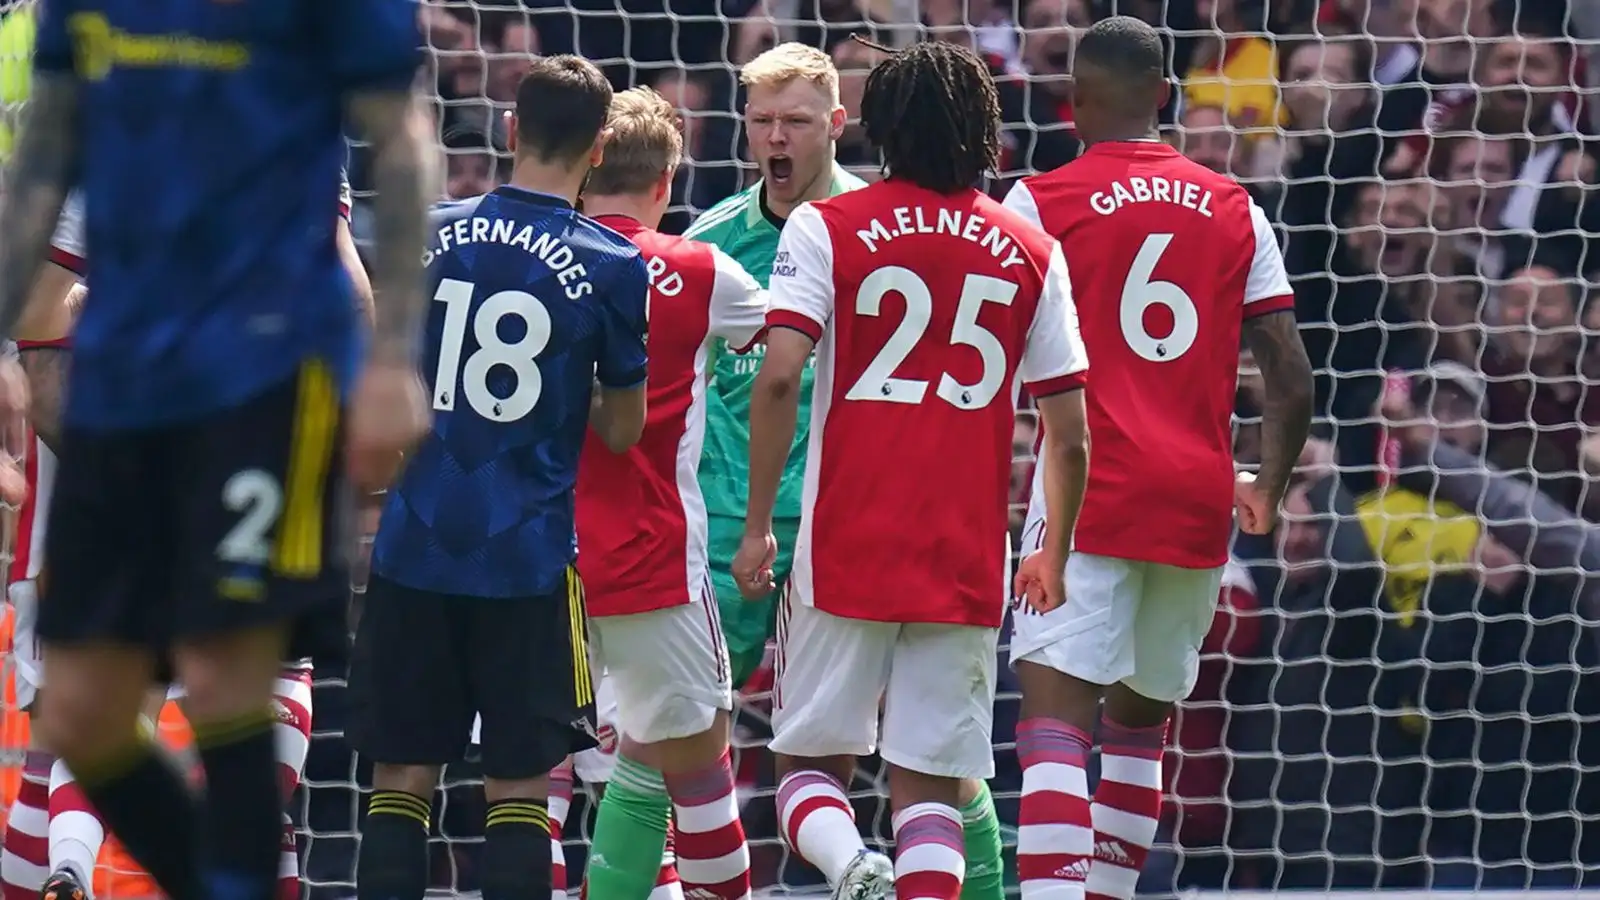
x=207, y=385
x=642, y=535
x=63, y=866
x=958, y=304
x=1169, y=261
x=474, y=607
x=793, y=118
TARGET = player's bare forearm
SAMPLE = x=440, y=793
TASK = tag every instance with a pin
x=1066, y=466
x=46, y=370
x=41, y=172
x=618, y=415
x=1274, y=339
x=774, y=409
x=404, y=178
x=350, y=255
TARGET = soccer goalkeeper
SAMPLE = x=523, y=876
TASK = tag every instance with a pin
x=792, y=118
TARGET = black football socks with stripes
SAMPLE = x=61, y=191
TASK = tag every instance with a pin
x=241, y=817
x=516, y=851
x=393, y=861
x=143, y=799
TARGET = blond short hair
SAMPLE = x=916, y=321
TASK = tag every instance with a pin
x=646, y=142
x=788, y=62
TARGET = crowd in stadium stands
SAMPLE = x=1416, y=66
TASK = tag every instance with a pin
x=1402, y=688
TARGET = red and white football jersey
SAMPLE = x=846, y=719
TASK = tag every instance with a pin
x=640, y=514
x=930, y=312
x=1167, y=260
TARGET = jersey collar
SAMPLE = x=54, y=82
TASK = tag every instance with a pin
x=753, y=216
x=627, y=226
x=527, y=196
x=1140, y=147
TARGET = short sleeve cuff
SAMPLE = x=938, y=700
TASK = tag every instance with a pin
x=784, y=318
x=61, y=343
x=1268, y=305
x=632, y=378
x=1058, y=385
x=68, y=260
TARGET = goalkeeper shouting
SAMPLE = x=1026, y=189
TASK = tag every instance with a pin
x=792, y=118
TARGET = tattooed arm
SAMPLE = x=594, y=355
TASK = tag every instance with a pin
x=46, y=369
x=36, y=184
x=350, y=255
x=405, y=177
x=45, y=357
x=1274, y=339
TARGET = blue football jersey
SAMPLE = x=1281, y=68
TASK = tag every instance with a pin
x=211, y=142
x=533, y=302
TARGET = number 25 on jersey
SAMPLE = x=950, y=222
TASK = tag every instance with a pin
x=519, y=356
x=878, y=382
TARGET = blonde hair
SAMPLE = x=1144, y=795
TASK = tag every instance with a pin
x=788, y=62
x=646, y=142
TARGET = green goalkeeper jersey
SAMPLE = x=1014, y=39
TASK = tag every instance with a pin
x=742, y=228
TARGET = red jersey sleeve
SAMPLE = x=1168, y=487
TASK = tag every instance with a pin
x=1266, y=289
x=738, y=304
x=1054, y=359
x=801, y=288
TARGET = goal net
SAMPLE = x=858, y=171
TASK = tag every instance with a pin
x=1401, y=688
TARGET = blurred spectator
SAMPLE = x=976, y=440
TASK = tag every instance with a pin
x=1048, y=39
x=1538, y=401
x=1205, y=136
x=1477, y=174
x=1510, y=772
x=704, y=177
x=1234, y=65
x=854, y=59
x=475, y=162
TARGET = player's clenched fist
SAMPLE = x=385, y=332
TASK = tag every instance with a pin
x=752, y=565
x=1041, y=581
x=389, y=414
x=1257, y=513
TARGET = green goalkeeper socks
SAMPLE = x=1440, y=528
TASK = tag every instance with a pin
x=630, y=834
x=980, y=826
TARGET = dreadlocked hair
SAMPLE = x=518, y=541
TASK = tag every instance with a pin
x=933, y=110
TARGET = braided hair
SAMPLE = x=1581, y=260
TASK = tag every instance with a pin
x=933, y=110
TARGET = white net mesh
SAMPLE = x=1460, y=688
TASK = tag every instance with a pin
x=1400, y=690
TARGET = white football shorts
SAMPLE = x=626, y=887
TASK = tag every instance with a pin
x=25, y=660
x=936, y=684
x=668, y=667
x=1124, y=621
